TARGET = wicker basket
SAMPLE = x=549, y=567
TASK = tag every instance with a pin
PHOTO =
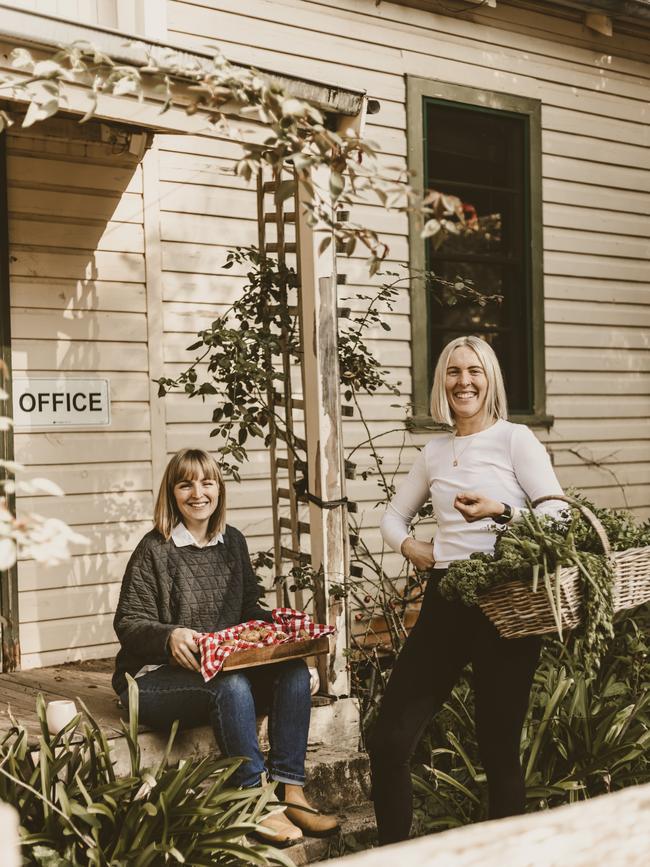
x=516, y=611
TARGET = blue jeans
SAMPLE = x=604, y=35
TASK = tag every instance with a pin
x=230, y=702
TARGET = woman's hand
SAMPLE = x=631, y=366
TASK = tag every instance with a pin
x=183, y=646
x=475, y=507
x=420, y=554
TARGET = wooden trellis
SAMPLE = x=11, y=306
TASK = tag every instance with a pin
x=308, y=472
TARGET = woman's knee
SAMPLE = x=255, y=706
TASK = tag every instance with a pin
x=294, y=670
x=230, y=686
x=292, y=676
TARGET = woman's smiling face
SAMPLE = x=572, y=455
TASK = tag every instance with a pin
x=465, y=383
x=196, y=499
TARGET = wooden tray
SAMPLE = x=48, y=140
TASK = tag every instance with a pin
x=277, y=653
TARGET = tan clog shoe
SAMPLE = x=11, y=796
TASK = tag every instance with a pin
x=278, y=830
x=312, y=822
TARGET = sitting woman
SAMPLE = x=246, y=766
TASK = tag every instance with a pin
x=192, y=574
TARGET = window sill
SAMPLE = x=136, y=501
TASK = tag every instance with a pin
x=419, y=424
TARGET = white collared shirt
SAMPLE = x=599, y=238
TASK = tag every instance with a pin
x=181, y=537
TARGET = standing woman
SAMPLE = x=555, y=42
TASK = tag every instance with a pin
x=192, y=574
x=478, y=475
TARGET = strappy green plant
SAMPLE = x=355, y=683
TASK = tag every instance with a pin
x=75, y=811
x=583, y=736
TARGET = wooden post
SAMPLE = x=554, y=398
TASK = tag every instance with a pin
x=328, y=526
x=153, y=264
x=9, y=579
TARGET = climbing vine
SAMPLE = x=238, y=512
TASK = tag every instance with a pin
x=336, y=168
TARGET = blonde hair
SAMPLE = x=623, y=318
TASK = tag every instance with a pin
x=496, y=404
x=188, y=464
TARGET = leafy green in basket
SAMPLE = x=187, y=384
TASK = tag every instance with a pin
x=536, y=548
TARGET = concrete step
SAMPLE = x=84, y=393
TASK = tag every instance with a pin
x=358, y=832
x=332, y=723
x=337, y=779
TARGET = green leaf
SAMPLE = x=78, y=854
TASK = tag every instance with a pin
x=284, y=191
x=337, y=185
x=40, y=111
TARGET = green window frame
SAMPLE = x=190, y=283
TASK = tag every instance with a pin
x=420, y=91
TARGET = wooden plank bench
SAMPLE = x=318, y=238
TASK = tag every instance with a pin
x=90, y=681
x=375, y=633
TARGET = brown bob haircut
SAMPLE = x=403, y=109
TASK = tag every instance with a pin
x=188, y=464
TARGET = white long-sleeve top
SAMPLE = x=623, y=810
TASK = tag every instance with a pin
x=505, y=462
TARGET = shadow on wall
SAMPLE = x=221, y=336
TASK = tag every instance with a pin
x=78, y=308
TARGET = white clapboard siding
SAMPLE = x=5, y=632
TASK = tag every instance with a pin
x=606, y=314
x=600, y=244
x=79, y=479
x=603, y=200
x=596, y=179
x=608, y=129
x=606, y=337
x=30, y=261
x=78, y=325
x=99, y=508
x=51, y=604
x=203, y=197
x=79, y=308
x=81, y=447
x=588, y=406
x=607, y=453
x=117, y=237
x=80, y=570
x=95, y=12
x=80, y=295
x=82, y=176
x=596, y=220
x=180, y=287
x=78, y=355
x=572, y=288
x=598, y=383
x=116, y=537
x=73, y=654
x=586, y=171
x=87, y=205
x=77, y=632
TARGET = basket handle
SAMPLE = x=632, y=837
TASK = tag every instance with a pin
x=586, y=513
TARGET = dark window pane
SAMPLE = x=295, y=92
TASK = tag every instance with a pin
x=480, y=156
x=493, y=225
x=474, y=146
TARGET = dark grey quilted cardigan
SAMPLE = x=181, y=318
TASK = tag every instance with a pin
x=205, y=589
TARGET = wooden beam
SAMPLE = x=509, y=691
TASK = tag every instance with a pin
x=47, y=33
x=325, y=477
x=153, y=265
x=8, y=579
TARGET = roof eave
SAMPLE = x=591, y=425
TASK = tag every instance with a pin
x=46, y=33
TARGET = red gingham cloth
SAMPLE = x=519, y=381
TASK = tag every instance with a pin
x=286, y=627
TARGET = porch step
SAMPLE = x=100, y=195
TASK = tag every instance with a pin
x=337, y=779
x=358, y=832
x=332, y=722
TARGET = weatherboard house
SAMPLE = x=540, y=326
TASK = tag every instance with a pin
x=114, y=235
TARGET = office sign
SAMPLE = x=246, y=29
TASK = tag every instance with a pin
x=50, y=403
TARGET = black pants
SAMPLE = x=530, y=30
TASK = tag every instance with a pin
x=445, y=638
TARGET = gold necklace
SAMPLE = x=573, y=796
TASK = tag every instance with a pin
x=453, y=449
